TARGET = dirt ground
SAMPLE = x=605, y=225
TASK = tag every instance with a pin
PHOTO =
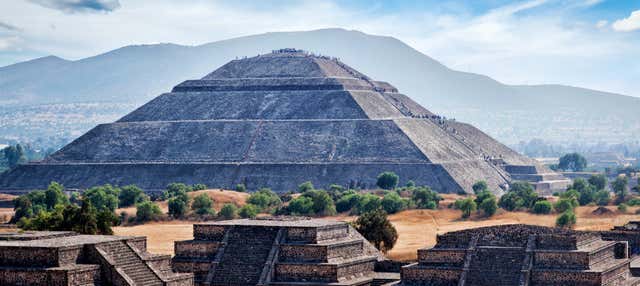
x=417, y=228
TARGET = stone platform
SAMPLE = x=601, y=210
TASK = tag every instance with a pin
x=522, y=255
x=70, y=259
x=278, y=251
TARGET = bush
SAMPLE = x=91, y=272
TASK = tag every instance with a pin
x=619, y=186
x=425, y=198
x=393, y=203
x=264, y=199
x=177, y=207
x=228, y=211
x=566, y=219
x=241, y=188
x=479, y=187
x=489, y=206
x=347, y=202
x=566, y=204
x=301, y=206
x=368, y=203
x=377, y=229
x=599, y=181
x=130, y=195
x=203, y=205
x=306, y=186
x=147, y=211
x=248, y=211
x=199, y=187
x=542, y=207
x=623, y=208
x=175, y=189
x=520, y=195
x=602, y=197
x=388, y=180
x=322, y=203
x=467, y=206
x=102, y=197
x=54, y=195
x=634, y=202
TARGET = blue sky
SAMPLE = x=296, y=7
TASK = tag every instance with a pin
x=587, y=43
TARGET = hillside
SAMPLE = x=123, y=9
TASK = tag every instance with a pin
x=135, y=74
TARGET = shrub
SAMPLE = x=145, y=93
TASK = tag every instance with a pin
x=248, y=211
x=177, y=207
x=102, y=197
x=387, y=180
x=634, y=202
x=175, y=189
x=347, y=202
x=623, y=208
x=520, y=195
x=130, y=195
x=479, y=187
x=377, y=229
x=542, y=207
x=598, y=181
x=566, y=204
x=410, y=184
x=368, y=203
x=147, y=211
x=602, y=197
x=199, y=187
x=306, y=186
x=228, y=211
x=241, y=188
x=619, y=186
x=467, y=206
x=566, y=219
x=425, y=198
x=393, y=203
x=54, y=195
x=264, y=199
x=202, y=205
x=322, y=203
x=489, y=206
x=301, y=206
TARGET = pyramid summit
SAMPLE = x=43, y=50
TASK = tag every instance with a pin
x=275, y=121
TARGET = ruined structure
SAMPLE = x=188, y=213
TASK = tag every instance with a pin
x=277, y=251
x=275, y=121
x=522, y=255
x=69, y=259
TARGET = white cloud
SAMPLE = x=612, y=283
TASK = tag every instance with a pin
x=628, y=24
x=602, y=24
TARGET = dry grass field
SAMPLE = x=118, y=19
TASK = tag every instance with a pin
x=416, y=228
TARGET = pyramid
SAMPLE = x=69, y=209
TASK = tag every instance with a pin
x=277, y=120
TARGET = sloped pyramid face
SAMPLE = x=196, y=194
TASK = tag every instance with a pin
x=275, y=121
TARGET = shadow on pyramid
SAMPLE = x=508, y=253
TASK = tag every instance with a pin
x=278, y=120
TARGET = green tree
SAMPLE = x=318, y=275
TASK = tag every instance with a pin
x=425, y=198
x=147, y=211
x=265, y=199
x=306, y=186
x=241, y=188
x=54, y=195
x=572, y=162
x=130, y=195
x=322, y=202
x=467, y=206
x=542, y=207
x=248, y=211
x=520, y=195
x=14, y=155
x=177, y=207
x=598, y=181
x=301, y=206
x=87, y=221
x=199, y=187
x=228, y=211
x=377, y=229
x=175, y=189
x=623, y=207
x=480, y=186
x=202, y=205
x=347, y=202
x=489, y=206
x=566, y=219
x=602, y=197
x=565, y=204
x=620, y=188
x=388, y=180
x=105, y=196
x=393, y=203
x=104, y=220
x=368, y=203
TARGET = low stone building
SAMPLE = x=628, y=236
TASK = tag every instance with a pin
x=70, y=259
x=278, y=251
x=522, y=255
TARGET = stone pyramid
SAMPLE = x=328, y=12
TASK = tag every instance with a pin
x=275, y=121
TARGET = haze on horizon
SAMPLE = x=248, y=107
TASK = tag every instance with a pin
x=586, y=43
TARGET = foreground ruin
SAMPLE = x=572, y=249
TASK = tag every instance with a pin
x=277, y=251
x=278, y=120
x=523, y=255
x=69, y=259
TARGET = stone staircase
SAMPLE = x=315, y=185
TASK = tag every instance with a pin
x=495, y=266
x=130, y=263
x=244, y=256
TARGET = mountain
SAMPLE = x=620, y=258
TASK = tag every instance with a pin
x=135, y=74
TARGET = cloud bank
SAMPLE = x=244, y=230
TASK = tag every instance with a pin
x=632, y=23
x=72, y=6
